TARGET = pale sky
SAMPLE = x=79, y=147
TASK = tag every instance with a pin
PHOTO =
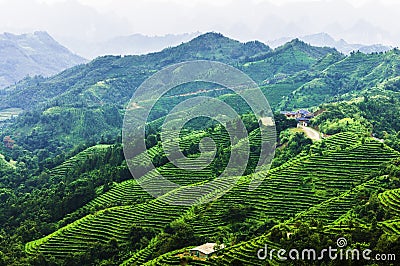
x=362, y=21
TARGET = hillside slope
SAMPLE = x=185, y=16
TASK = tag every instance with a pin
x=345, y=79
x=121, y=75
x=96, y=93
x=343, y=170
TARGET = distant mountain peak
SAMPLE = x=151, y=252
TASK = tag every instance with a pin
x=211, y=37
x=32, y=54
x=295, y=43
x=213, y=45
x=211, y=34
x=323, y=39
x=210, y=40
x=298, y=45
x=38, y=34
x=43, y=35
x=321, y=35
x=218, y=38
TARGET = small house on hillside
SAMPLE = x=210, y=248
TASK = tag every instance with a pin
x=205, y=250
x=302, y=122
x=290, y=115
x=305, y=113
x=302, y=116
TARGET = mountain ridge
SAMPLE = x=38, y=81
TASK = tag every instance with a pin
x=32, y=54
x=134, y=44
x=210, y=46
x=323, y=39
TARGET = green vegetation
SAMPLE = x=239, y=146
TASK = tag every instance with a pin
x=376, y=115
x=346, y=79
x=67, y=196
x=239, y=215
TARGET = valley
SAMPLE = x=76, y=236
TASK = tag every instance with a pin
x=68, y=196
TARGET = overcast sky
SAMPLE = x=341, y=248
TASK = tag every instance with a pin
x=358, y=21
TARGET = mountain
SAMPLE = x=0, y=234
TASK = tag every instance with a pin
x=291, y=76
x=324, y=39
x=112, y=70
x=288, y=59
x=67, y=196
x=295, y=75
x=32, y=54
x=129, y=45
x=97, y=92
x=345, y=79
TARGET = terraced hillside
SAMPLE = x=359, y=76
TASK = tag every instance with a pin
x=334, y=212
x=129, y=192
x=390, y=200
x=76, y=206
x=104, y=225
x=80, y=160
x=110, y=223
x=311, y=181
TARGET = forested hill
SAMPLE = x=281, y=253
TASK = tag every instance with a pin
x=122, y=75
x=131, y=70
x=86, y=102
x=345, y=79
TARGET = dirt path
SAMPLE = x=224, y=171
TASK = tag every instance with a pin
x=267, y=121
x=380, y=140
x=311, y=133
